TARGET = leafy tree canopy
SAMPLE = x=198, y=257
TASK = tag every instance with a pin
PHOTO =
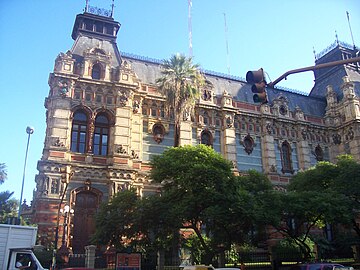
x=340, y=181
x=8, y=205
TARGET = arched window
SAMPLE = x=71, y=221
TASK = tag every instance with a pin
x=206, y=138
x=319, y=153
x=79, y=132
x=286, y=158
x=101, y=135
x=96, y=72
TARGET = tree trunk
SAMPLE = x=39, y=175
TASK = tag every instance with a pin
x=177, y=134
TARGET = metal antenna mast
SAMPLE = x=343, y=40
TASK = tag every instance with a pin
x=112, y=8
x=348, y=18
x=190, y=27
x=87, y=6
x=227, y=45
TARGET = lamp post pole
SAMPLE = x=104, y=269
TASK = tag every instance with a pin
x=29, y=131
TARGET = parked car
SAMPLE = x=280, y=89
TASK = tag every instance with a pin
x=319, y=266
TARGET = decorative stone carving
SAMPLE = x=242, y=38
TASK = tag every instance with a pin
x=273, y=168
x=336, y=138
x=136, y=106
x=268, y=128
x=58, y=143
x=229, y=121
x=158, y=131
x=120, y=149
x=206, y=95
x=318, y=153
x=134, y=156
x=304, y=134
x=350, y=134
x=248, y=143
x=63, y=88
x=123, y=99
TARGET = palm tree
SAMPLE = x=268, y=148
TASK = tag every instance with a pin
x=3, y=173
x=180, y=83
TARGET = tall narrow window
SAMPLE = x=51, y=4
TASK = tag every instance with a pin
x=79, y=132
x=286, y=158
x=206, y=138
x=101, y=135
x=96, y=72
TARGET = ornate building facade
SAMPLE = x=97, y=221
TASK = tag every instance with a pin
x=105, y=120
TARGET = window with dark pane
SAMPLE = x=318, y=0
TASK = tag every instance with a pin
x=101, y=135
x=79, y=132
x=96, y=72
x=286, y=157
x=54, y=186
x=206, y=138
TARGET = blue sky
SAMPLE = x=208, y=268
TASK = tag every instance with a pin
x=275, y=35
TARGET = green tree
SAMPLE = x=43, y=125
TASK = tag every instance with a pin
x=3, y=173
x=180, y=83
x=199, y=189
x=300, y=212
x=199, y=192
x=8, y=205
x=340, y=179
x=323, y=194
x=116, y=219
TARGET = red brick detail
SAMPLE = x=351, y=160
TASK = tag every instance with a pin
x=120, y=160
x=57, y=154
x=146, y=167
x=99, y=160
x=78, y=158
x=314, y=119
x=152, y=89
x=246, y=106
x=137, y=165
x=284, y=179
x=274, y=177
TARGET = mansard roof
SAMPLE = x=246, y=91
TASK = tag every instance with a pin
x=95, y=33
x=333, y=75
x=148, y=70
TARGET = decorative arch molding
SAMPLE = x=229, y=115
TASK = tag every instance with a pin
x=97, y=51
x=206, y=137
x=151, y=124
x=206, y=129
x=88, y=111
x=108, y=113
x=85, y=188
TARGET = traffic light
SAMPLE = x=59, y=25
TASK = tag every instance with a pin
x=259, y=85
x=65, y=174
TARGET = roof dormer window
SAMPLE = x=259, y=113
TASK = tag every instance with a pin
x=96, y=72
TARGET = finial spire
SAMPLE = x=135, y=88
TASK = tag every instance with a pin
x=86, y=5
x=112, y=8
x=314, y=53
x=336, y=38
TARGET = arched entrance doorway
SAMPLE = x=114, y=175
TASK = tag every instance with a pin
x=86, y=202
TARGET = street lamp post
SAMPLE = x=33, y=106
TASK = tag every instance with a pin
x=29, y=131
x=66, y=212
x=66, y=175
x=64, y=251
